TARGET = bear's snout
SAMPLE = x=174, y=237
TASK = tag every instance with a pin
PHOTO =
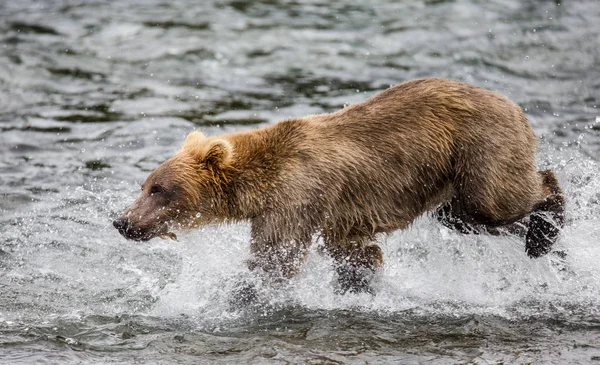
x=133, y=231
x=127, y=230
x=121, y=224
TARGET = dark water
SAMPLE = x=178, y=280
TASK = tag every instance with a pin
x=94, y=94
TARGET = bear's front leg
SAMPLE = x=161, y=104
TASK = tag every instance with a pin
x=356, y=262
x=277, y=260
x=277, y=250
x=271, y=264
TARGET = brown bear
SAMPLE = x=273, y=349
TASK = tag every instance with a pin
x=372, y=167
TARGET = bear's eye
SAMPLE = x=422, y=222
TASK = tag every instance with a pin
x=156, y=189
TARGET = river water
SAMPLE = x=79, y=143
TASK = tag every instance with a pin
x=95, y=94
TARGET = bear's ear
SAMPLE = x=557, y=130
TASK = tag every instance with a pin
x=193, y=140
x=216, y=152
x=219, y=152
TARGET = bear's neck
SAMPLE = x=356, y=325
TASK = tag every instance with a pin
x=261, y=155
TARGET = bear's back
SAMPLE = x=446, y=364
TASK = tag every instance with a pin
x=395, y=155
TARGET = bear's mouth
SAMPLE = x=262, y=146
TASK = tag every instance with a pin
x=170, y=235
x=137, y=235
x=140, y=235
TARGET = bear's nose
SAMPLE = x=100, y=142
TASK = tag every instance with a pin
x=121, y=224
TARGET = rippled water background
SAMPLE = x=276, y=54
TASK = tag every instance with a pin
x=95, y=94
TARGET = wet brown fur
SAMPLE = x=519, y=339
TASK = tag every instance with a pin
x=371, y=167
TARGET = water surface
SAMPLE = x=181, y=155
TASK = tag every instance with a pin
x=95, y=94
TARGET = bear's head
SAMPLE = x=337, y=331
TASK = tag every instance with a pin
x=184, y=191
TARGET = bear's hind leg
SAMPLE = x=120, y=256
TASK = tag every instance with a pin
x=547, y=218
x=536, y=200
x=449, y=219
x=356, y=262
x=445, y=215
